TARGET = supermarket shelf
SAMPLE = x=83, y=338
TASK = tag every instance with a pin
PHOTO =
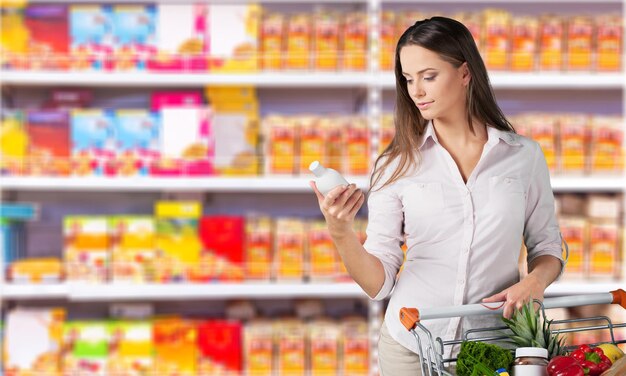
x=260, y=184
x=582, y=287
x=178, y=79
x=153, y=292
x=503, y=80
x=195, y=184
x=588, y=184
x=537, y=80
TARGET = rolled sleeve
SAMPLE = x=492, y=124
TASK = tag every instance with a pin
x=384, y=235
x=541, y=231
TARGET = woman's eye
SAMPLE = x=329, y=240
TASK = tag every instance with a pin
x=429, y=78
x=409, y=82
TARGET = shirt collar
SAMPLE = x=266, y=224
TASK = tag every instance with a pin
x=493, y=136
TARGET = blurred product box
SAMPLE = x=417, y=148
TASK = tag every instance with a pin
x=175, y=346
x=290, y=241
x=259, y=348
x=299, y=41
x=272, y=36
x=580, y=32
x=574, y=136
x=86, y=348
x=322, y=262
x=133, y=249
x=313, y=143
x=93, y=142
x=258, y=248
x=130, y=348
x=91, y=37
x=138, y=140
x=551, y=42
x=48, y=142
x=574, y=232
x=388, y=40
x=13, y=142
x=604, y=250
x=35, y=271
x=524, y=35
x=291, y=347
x=609, y=43
x=324, y=340
x=86, y=248
x=135, y=36
x=496, y=36
x=48, y=43
x=326, y=40
x=223, y=240
x=220, y=347
x=233, y=37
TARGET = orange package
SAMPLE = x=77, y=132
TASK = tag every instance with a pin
x=355, y=42
x=290, y=243
x=324, y=336
x=388, y=40
x=258, y=248
x=298, y=42
x=258, y=348
x=326, y=40
x=335, y=143
x=609, y=43
x=281, y=135
x=574, y=137
x=272, y=41
x=574, y=231
x=175, y=347
x=386, y=133
x=551, y=41
x=322, y=253
x=355, y=346
x=358, y=139
x=291, y=345
x=606, y=144
x=524, y=43
x=579, y=43
x=543, y=130
x=312, y=142
x=604, y=249
x=497, y=45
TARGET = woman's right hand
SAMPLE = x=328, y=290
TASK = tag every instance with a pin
x=339, y=207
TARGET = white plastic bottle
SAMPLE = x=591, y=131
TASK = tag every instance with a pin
x=326, y=178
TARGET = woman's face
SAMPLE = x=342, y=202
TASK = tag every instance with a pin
x=436, y=86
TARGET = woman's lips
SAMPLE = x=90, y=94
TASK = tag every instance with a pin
x=424, y=105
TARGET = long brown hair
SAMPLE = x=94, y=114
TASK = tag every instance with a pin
x=454, y=43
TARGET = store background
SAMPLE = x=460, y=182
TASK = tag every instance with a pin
x=284, y=109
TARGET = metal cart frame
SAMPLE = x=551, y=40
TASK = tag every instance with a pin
x=433, y=362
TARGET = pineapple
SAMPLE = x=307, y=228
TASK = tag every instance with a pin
x=530, y=330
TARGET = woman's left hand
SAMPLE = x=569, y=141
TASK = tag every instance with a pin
x=517, y=295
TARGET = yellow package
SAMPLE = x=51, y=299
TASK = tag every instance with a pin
x=326, y=40
x=497, y=43
x=543, y=130
x=386, y=132
x=291, y=346
x=299, y=47
x=281, y=145
x=524, y=43
x=238, y=51
x=358, y=143
x=289, y=254
x=604, y=249
x=14, y=38
x=606, y=144
x=355, y=41
x=579, y=43
x=36, y=270
x=574, y=231
x=33, y=341
x=13, y=142
x=574, y=137
x=335, y=143
x=322, y=261
x=272, y=41
x=609, y=43
x=223, y=95
x=258, y=248
x=324, y=338
x=258, y=348
x=86, y=248
x=388, y=40
x=355, y=346
x=551, y=42
x=177, y=242
x=130, y=348
x=175, y=347
x=133, y=248
x=312, y=142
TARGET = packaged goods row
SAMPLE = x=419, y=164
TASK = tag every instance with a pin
x=591, y=226
x=227, y=140
x=179, y=244
x=247, y=38
x=40, y=341
x=207, y=37
x=520, y=42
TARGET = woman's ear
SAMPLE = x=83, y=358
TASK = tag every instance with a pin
x=465, y=74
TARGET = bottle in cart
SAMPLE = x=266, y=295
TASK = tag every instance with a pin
x=326, y=178
x=530, y=361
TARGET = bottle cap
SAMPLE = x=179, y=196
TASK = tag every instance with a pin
x=538, y=352
x=317, y=168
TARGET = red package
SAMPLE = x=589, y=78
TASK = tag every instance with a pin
x=220, y=345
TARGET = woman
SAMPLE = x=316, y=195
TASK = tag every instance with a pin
x=459, y=187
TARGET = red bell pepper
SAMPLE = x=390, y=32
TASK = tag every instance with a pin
x=565, y=366
x=593, y=361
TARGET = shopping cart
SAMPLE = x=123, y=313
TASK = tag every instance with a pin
x=433, y=362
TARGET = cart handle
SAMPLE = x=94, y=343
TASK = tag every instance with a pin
x=411, y=316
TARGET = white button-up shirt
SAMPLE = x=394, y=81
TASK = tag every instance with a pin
x=463, y=239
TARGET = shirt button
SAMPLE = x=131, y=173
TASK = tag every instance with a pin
x=462, y=282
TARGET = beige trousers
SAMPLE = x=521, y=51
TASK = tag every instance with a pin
x=396, y=360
